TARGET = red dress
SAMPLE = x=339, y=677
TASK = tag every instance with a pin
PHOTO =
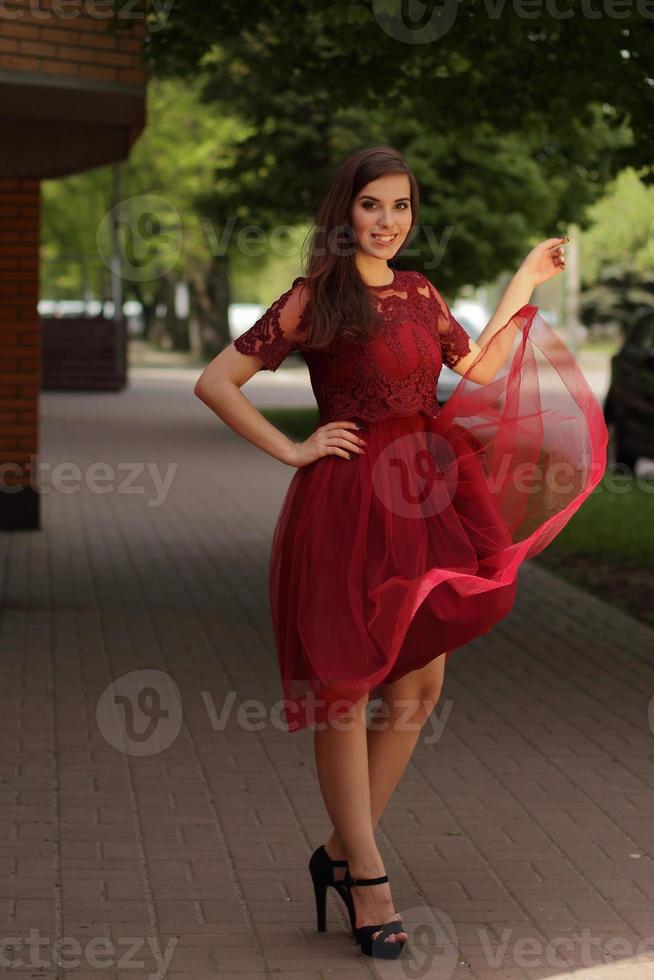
x=381, y=563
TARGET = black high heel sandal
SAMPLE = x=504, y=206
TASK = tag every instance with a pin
x=321, y=868
x=377, y=947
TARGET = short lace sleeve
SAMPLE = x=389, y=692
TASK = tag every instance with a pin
x=278, y=331
x=454, y=340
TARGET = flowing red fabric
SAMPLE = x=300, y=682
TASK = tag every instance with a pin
x=381, y=563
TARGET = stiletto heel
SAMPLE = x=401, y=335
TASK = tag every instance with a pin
x=320, y=891
x=321, y=868
x=377, y=947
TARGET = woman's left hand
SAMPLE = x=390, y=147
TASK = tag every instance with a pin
x=545, y=260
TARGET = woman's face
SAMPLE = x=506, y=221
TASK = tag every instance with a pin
x=381, y=215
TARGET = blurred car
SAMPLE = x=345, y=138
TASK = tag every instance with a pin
x=473, y=319
x=241, y=316
x=629, y=401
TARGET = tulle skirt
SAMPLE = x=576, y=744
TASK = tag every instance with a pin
x=381, y=563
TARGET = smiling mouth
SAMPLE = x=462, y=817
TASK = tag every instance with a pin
x=384, y=239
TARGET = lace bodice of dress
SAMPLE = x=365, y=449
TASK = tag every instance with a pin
x=394, y=373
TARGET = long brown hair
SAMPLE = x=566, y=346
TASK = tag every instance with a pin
x=339, y=299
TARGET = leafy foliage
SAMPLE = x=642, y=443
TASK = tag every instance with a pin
x=511, y=128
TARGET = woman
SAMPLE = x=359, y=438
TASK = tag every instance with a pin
x=380, y=570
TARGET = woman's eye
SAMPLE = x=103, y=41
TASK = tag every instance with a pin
x=402, y=204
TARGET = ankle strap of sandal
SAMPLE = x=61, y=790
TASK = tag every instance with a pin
x=366, y=881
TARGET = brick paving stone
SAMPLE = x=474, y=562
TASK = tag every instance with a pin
x=525, y=813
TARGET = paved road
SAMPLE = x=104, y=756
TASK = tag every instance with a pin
x=151, y=828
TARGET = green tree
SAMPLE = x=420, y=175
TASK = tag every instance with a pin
x=620, y=225
x=176, y=159
x=170, y=165
x=73, y=208
x=549, y=69
x=617, y=253
x=510, y=132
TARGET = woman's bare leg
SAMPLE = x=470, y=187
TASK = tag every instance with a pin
x=342, y=764
x=391, y=742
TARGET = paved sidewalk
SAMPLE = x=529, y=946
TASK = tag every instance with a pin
x=526, y=817
x=295, y=388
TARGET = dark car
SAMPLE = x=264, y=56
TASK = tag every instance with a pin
x=448, y=379
x=629, y=402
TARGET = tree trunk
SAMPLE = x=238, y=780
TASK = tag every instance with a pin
x=209, y=306
x=177, y=337
x=163, y=314
x=149, y=307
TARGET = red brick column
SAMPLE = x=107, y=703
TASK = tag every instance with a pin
x=72, y=97
x=20, y=351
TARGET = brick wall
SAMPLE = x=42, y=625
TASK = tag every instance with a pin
x=75, y=40
x=72, y=97
x=19, y=348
